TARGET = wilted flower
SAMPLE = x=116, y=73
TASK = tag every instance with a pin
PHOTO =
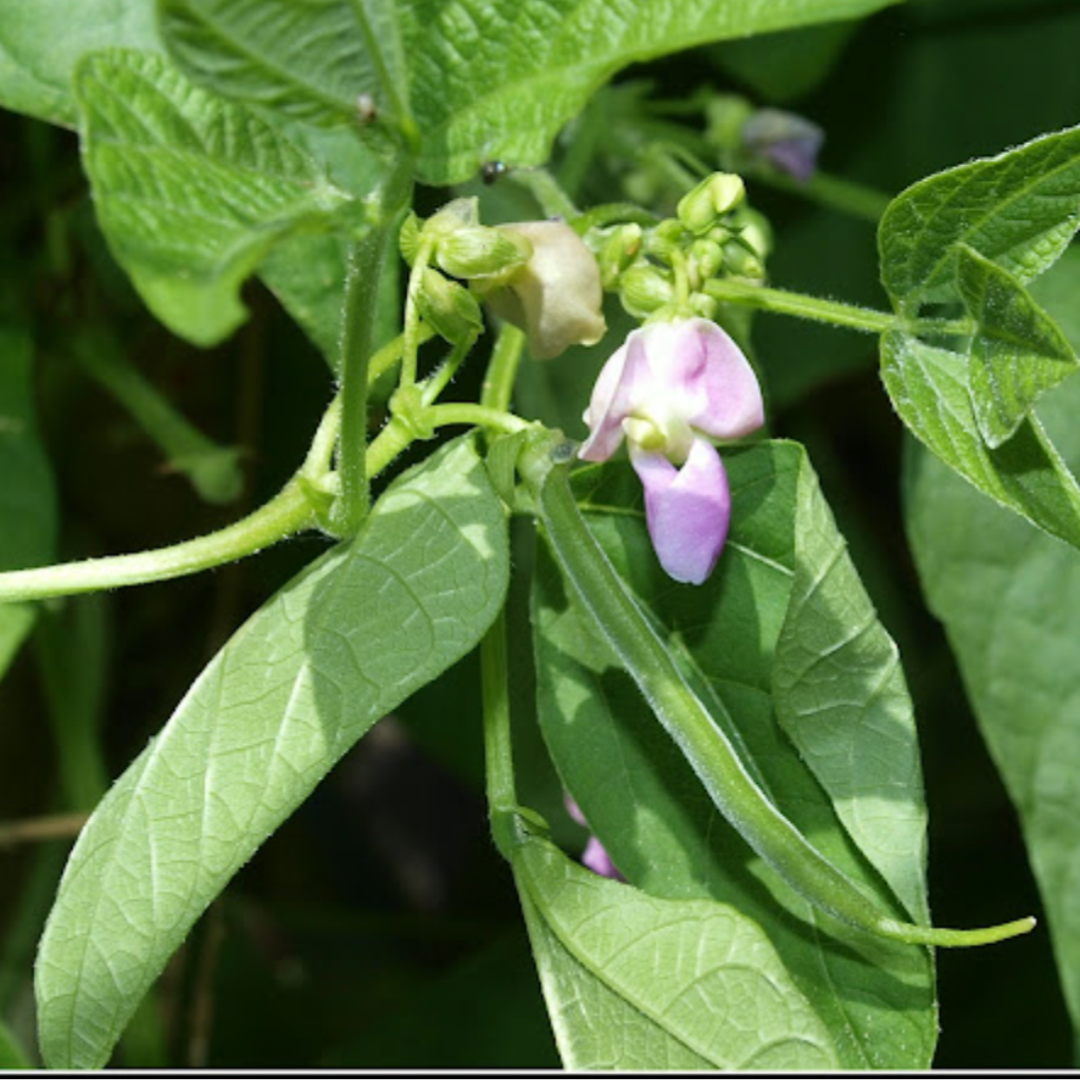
x=789, y=142
x=670, y=389
x=556, y=296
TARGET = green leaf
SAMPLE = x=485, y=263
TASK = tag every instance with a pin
x=1017, y=353
x=929, y=389
x=336, y=649
x=307, y=271
x=480, y=80
x=1019, y=210
x=192, y=192
x=27, y=492
x=634, y=982
x=1010, y=601
x=40, y=44
x=783, y=647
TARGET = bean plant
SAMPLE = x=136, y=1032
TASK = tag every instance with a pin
x=573, y=302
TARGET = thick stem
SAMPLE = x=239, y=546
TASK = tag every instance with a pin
x=702, y=742
x=358, y=323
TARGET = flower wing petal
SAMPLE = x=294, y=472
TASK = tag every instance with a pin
x=729, y=404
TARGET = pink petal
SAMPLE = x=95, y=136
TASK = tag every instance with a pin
x=727, y=402
x=596, y=858
x=624, y=382
x=687, y=510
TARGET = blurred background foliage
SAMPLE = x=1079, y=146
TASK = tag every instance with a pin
x=379, y=927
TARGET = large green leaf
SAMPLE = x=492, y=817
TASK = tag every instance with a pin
x=638, y=983
x=339, y=647
x=783, y=647
x=41, y=42
x=1010, y=601
x=192, y=192
x=479, y=79
x=929, y=388
x=1017, y=353
x=1019, y=210
x=27, y=493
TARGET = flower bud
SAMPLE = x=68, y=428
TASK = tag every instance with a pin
x=787, y=141
x=481, y=252
x=556, y=296
x=706, y=258
x=725, y=115
x=409, y=238
x=699, y=209
x=756, y=233
x=618, y=252
x=645, y=289
x=742, y=262
x=449, y=307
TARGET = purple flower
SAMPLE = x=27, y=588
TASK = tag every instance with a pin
x=786, y=140
x=595, y=856
x=670, y=389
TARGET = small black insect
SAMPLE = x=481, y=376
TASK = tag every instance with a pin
x=490, y=171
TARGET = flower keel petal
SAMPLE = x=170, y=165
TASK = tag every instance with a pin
x=687, y=510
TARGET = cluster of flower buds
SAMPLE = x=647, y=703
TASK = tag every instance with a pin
x=537, y=275
x=661, y=270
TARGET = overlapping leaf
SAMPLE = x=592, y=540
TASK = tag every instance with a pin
x=295, y=687
x=475, y=80
x=40, y=44
x=1009, y=598
x=1019, y=210
x=974, y=235
x=638, y=983
x=929, y=388
x=191, y=191
x=1018, y=352
x=781, y=632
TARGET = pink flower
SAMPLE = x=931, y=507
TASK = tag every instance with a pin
x=595, y=856
x=670, y=389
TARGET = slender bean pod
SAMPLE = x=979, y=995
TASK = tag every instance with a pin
x=742, y=802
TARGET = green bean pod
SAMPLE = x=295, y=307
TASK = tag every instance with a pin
x=545, y=468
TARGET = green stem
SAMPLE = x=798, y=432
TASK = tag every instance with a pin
x=498, y=750
x=285, y=514
x=411, y=332
x=850, y=316
x=394, y=438
x=358, y=326
x=453, y=412
x=545, y=189
x=706, y=748
x=438, y=381
x=498, y=389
